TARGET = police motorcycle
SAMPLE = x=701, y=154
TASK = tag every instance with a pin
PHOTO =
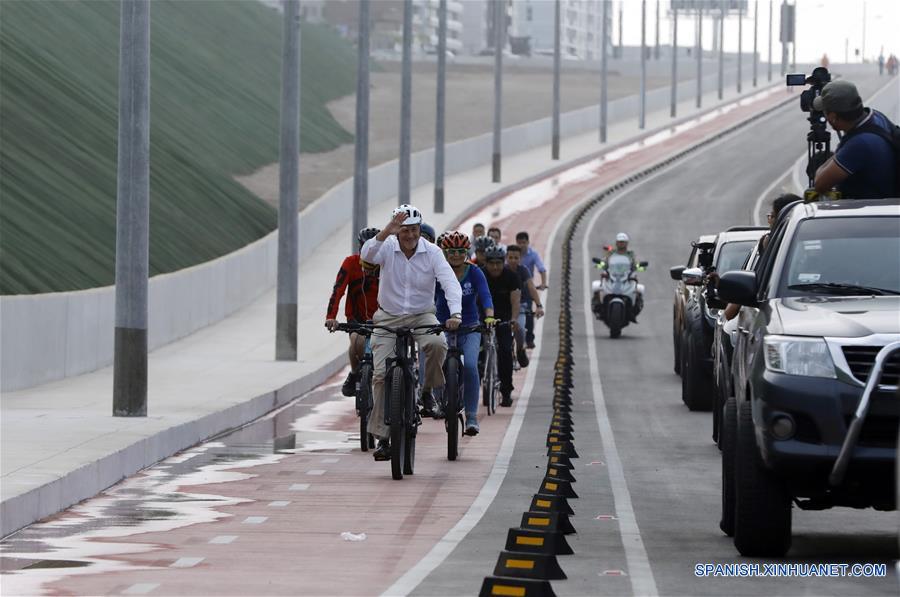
x=617, y=295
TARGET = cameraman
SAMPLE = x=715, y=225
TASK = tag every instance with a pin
x=863, y=167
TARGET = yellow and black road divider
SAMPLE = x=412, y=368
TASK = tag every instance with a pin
x=529, y=562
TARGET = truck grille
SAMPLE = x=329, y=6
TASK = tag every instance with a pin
x=861, y=358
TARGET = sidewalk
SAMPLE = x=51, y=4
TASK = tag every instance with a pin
x=60, y=443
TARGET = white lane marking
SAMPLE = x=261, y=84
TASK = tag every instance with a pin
x=445, y=546
x=316, y=471
x=186, y=562
x=223, y=539
x=255, y=519
x=279, y=504
x=299, y=487
x=330, y=460
x=141, y=588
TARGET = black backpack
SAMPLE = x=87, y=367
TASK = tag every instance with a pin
x=892, y=137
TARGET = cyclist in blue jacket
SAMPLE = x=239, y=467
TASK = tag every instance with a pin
x=476, y=297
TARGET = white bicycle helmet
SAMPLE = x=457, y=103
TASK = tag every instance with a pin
x=622, y=237
x=413, y=215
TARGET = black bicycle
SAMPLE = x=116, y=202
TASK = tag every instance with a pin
x=453, y=388
x=364, y=400
x=400, y=412
x=490, y=379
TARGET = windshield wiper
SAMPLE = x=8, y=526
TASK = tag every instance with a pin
x=842, y=288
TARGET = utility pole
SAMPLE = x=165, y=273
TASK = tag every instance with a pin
x=132, y=211
x=361, y=149
x=755, y=39
x=674, y=61
x=440, y=123
x=405, y=106
x=604, y=39
x=554, y=152
x=862, y=56
x=699, y=56
x=721, y=48
x=846, y=50
x=784, y=37
x=641, y=119
x=620, y=30
x=771, y=18
x=498, y=85
x=656, y=48
x=740, y=50
x=794, y=39
x=288, y=193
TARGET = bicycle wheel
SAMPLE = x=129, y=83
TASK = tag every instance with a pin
x=364, y=404
x=495, y=389
x=487, y=389
x=451, y=396
x=398, y=428
x=410, y=429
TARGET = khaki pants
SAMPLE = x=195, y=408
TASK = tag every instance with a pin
x=383, y=343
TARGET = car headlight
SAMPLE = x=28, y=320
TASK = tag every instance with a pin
x=797, y=355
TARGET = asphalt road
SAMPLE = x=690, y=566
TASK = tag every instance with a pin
x=644, y=457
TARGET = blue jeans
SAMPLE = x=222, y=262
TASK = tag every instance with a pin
x=470, y=345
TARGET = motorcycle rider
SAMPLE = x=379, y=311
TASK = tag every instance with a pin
x=621, y=248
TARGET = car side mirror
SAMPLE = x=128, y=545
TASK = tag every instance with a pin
x=739, y=287
x=675, y=272
x=692, y=276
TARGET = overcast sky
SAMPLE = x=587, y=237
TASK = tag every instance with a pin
x=822, y=27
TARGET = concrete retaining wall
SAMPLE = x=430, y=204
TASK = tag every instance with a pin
x=48, y=337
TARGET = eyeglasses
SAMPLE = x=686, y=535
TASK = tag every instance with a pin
x=458, y=251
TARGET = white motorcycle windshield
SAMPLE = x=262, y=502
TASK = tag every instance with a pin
x=618, y=265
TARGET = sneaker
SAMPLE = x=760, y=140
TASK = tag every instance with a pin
x=506, y=398
x=427, y=400
x=472, y=428
x=522, y=357
x=349, y=387
x=383, y=451
x=437, y=411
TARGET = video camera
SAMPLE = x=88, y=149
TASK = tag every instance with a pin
x=818, y=139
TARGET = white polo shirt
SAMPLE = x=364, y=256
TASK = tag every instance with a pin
x=406, y=286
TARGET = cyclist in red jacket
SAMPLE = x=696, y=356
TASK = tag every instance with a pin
x=359, y=280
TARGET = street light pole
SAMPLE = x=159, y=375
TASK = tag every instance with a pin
x=740, y=49
x=603, y=70
x=498, y=86
x=699, y=56
x=721, y=48
x=641, y=119
x=771, y=18
x=288, y=180
x=755, y=39
x=674, y=99
x=132, y=211
x=403, y=188
x=620, y=30
x=361, y=149
x=554, y=151
x=656, y=47
x=440, y=123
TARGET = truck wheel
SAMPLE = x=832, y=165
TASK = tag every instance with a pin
x=728, y=433
x=762, y=505
x=676, y=344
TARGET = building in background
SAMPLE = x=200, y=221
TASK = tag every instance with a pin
x=533, y=20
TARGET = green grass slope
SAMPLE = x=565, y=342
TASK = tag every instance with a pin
x=215, y=92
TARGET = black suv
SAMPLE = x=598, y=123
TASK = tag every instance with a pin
x=698, y=308
x=817, y=313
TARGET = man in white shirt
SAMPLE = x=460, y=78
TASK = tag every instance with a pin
x=409, y=268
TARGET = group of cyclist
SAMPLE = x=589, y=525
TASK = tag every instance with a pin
x=404, y=276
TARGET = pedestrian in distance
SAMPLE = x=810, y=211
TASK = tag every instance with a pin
x=410, y=267
x=495, y=234
x=359, y=280
x=866, y=164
